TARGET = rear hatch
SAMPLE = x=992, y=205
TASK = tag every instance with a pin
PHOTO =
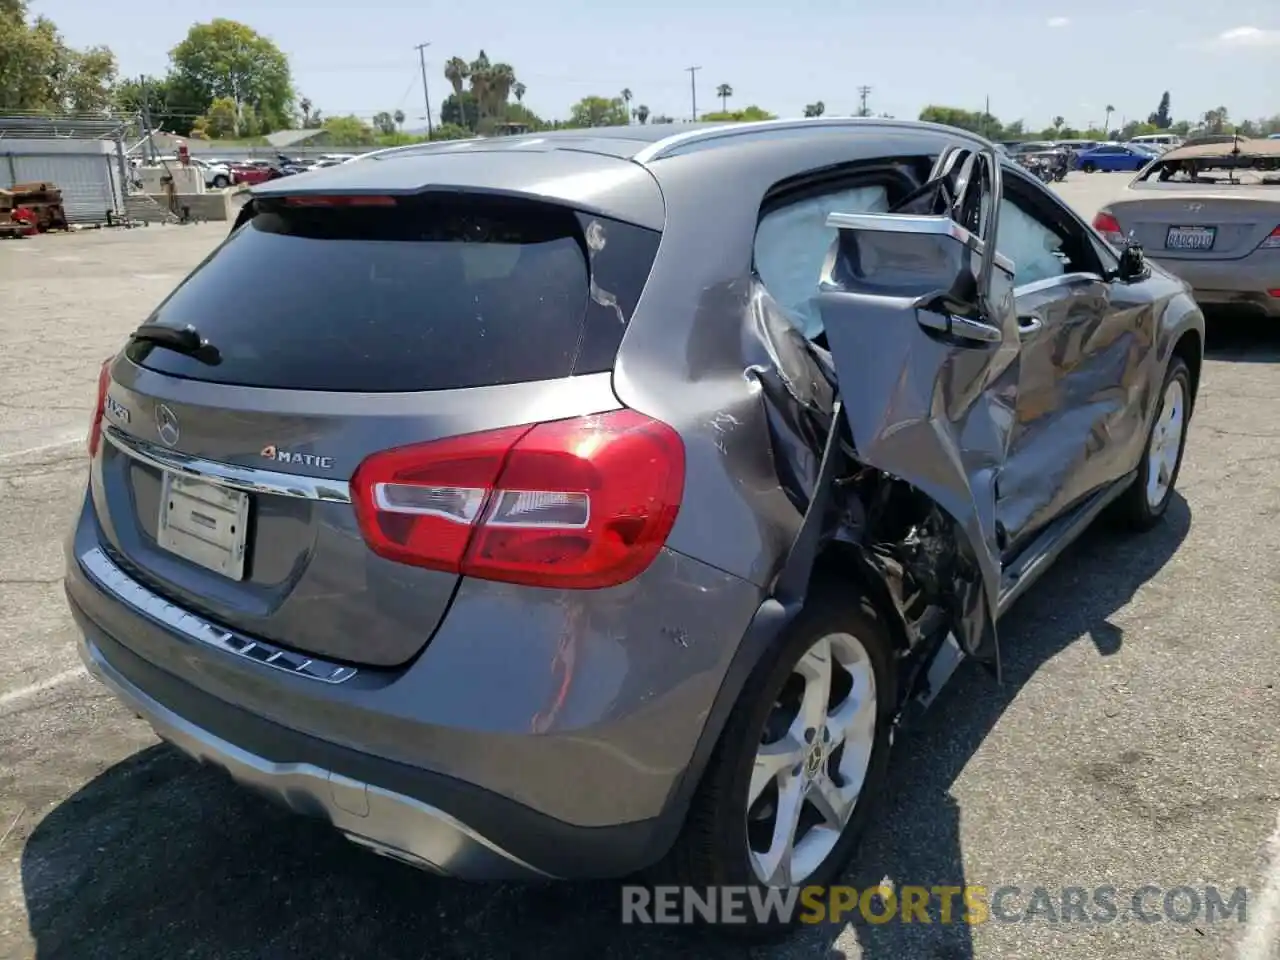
x=342, y=330
x=1174, y=223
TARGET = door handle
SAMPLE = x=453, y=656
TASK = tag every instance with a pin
x=962, y=328
x=1029, y=324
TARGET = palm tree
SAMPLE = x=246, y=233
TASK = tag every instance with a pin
x=724, y=92
x=642, y=113
x=480, y=71
x=456, y=71
x=398, y=117
x=1106, y=124
x=502, y=77
x=1059, y=123
x=305, y=106
x=626, y=101
x=518, y=89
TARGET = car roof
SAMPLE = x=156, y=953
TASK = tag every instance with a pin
x=614, y=171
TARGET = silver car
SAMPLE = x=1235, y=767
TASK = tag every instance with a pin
x=578, y=503
x=1210, y=214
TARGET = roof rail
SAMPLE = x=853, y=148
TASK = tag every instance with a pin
x=662, y=148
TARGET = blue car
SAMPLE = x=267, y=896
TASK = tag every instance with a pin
x=1109, y=157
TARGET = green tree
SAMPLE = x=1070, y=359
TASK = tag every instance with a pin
x=975, y=121
x=384, y=123
x=1215, y=120
x=815, y=109
x=518, y=90
x=398, y=119
x=599, y=112
x=38, y=71
x=461, y=110
x=745, y=115
x=349, y=132
x=724, y=92
x=456, y=71
x=224, y=58
x=1161, y=119
x=222, y=119
x=641, y=113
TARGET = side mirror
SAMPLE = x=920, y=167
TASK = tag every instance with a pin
x=1133, y=263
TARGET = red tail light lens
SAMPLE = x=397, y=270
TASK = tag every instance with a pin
x=577, y=504
x=1107, y=225
x=1272, y=242
x=95, y=425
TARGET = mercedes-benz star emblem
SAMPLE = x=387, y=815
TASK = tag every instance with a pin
x=167, y=425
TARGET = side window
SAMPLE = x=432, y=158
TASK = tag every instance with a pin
x=792, y=243
x=1039, y=251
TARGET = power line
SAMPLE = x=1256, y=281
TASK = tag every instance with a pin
x=426, y=96
x=693, y=89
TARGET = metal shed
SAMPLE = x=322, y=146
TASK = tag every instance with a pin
x=84, y=158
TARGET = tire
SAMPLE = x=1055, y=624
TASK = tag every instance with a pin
x=1089, y=168
x=220, y=182
x=714, y=847
x=1143, y=505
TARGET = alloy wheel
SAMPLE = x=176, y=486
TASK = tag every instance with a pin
x=813, y=758
x=1166, y=443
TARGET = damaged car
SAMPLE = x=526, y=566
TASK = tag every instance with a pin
x=575, y=504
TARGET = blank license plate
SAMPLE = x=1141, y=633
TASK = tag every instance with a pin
x=203, y=523
x=1190, y=238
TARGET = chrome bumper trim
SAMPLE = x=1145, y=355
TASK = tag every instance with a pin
x=246, y=479
x=128, y=591
x=388, y=823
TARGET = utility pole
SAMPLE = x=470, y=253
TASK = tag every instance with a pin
x=146, y=116
x=693, y=89
x=863, y=93
x=426, y=95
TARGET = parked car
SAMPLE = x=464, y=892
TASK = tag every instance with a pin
x=216, y=176
x=1209, y=214
x=1160, y=142
x=1110, y=157
x=647, y=564
x=1032, y=146
x=253, y=172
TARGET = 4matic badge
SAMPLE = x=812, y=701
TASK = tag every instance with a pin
x=272, y=452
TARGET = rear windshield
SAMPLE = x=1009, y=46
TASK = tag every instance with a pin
x=430, y=294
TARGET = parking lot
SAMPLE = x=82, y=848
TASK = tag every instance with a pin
x=1133, y=741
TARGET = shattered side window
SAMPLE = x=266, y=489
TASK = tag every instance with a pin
x=1036, y=250
x=792, y=244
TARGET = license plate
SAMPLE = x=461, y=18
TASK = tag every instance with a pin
x=1190, y=238
x=203, y=523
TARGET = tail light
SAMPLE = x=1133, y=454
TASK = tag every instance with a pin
x=577, y=504
x=1272, y=242
x=95, y=425
x=1107, y=225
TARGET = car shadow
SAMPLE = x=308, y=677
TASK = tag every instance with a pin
x=157, y=856
x=1241, y=337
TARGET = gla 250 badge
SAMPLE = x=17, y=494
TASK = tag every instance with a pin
x=272, y=452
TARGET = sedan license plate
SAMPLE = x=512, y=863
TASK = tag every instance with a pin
x=203, y=523
x=1190, y=238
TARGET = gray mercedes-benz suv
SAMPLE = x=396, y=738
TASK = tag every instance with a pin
x=563, y=505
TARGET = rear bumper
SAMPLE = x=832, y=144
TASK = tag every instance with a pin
x=387, y=822
x=1240, y=283
x=439, y=763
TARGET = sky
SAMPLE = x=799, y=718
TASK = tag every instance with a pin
x=1035, y=60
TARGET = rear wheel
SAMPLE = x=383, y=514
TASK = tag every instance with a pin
x=1089, y=168
x=1144, y=503
x=801, y=761
x=220, y=182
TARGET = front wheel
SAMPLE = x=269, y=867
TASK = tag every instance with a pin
x=802, y=759
x=1089, y=168
x=1144, y=503
x=220, y=182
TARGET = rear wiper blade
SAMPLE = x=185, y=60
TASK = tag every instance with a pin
x=185, y=340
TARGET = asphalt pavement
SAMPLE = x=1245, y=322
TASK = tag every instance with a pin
x=1133, y=741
